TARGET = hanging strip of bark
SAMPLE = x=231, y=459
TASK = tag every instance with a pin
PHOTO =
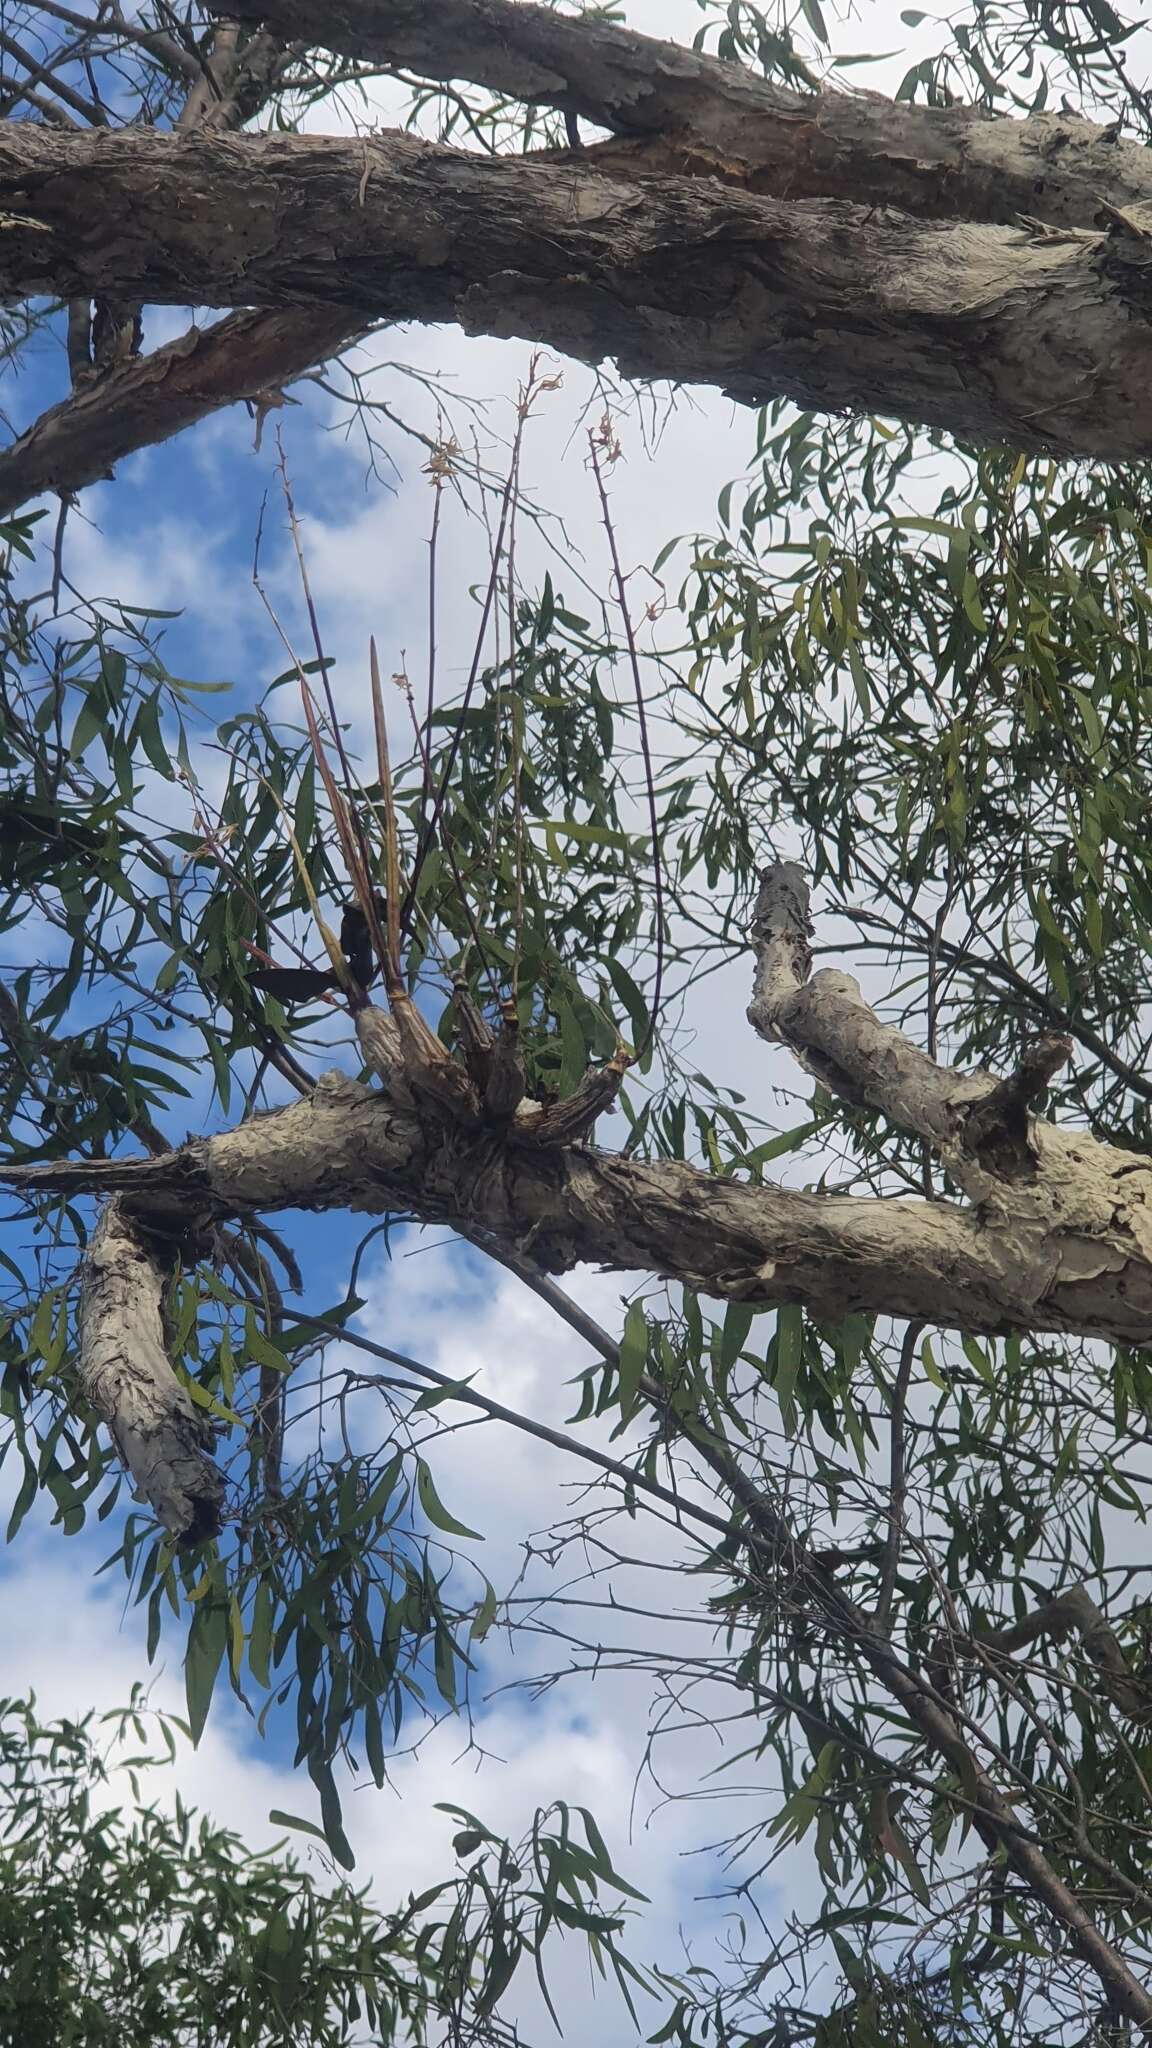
x=127, y=1377
x=1015, y=334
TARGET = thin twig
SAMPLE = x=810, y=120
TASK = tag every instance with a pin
x=896, y=1478
x=429, y=828
x=499, y=1413
x=642, y=721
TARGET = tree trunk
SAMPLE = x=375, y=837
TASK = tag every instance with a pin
x=682, y=111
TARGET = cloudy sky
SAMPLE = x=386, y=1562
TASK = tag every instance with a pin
x=177, y=529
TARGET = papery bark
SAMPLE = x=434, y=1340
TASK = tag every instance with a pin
x=1067, y=1248
x=127, y=1376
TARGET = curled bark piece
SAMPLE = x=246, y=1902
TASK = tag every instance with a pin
x=429, y=1068
x=380, y=1043
x=565, y=1123
x=1075, y=1612
x=505, y=1083
x=474, y=1035
x=128, y=1378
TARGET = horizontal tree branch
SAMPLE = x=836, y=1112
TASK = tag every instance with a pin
x=1077, y=1260
x=950, y=163
x=1015, y=334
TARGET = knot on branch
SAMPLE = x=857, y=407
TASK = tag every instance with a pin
x=994, y=1128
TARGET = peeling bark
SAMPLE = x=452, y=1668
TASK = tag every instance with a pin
x=1065, y=1247
x=1056, y=1234
x=1053, y=1237
x=150, y=398
x=682, y=110
x=837, y=308
x=127, y=1376
x=1027, y=335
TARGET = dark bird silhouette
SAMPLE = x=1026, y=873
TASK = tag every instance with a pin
x=298, y=984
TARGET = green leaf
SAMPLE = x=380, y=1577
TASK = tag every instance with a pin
x=260, y=1634
x=484, y=1616
x=789, y=1351
x=280, y=1819
x=207, y=1642
x=320, y=1772
x=632, y=1358
x=434, y=1508
x=738, y=1318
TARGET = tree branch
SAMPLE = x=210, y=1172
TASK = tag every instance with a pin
x=683, y=110
x=832, y=304
x=1015, y=1262
x=127, y=1377
x=149, y=398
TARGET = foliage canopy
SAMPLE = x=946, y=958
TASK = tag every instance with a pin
x=920, y=670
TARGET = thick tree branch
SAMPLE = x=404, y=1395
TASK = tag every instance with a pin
x=1039, y=339
x=979, y=1126
x=404, y=1146
x=949, y=163
x=150, y=398
x=1071, y=1252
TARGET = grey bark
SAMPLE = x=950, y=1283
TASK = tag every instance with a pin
x=1026, y=335
x=122, y=401
x=676, y=113
x=1056, y=1234
x=947, y=163
x=150, y=398
x=127, y=1376
x=1053, y=1230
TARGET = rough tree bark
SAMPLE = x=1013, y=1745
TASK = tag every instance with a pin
x=680, y=111
x=1055, y=1233
x=1052, y=1236
x=1016, y=334
x=122, y=400
x=983, y=275
x=150, y=398
x=126, y=1374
